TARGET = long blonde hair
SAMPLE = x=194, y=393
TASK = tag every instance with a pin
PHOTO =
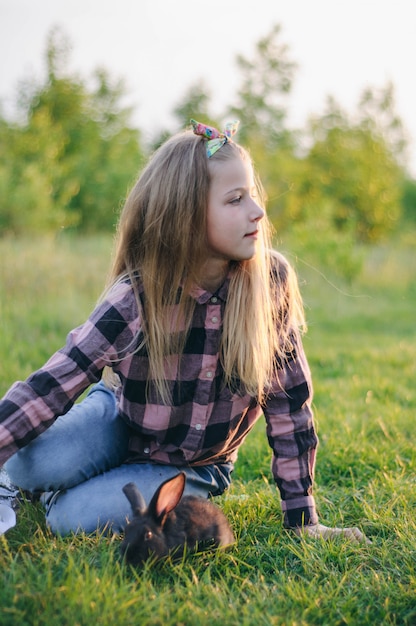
x=161, y=240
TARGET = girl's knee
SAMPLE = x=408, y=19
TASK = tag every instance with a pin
x=90, y=439
x=34, y=470
x=20, y=470
x=104, y=396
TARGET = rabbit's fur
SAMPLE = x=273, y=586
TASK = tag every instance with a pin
x=171, y=522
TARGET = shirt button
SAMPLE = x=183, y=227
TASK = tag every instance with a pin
x=214, y=299
x=146, y=450
x=214, y=320
x=209, y=374
x=198, y=426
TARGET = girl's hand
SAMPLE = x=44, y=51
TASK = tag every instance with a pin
x=319, y=530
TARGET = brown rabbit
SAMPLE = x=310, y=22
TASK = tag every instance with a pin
x=171, y=522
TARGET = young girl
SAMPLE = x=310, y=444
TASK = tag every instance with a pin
x=198, y=334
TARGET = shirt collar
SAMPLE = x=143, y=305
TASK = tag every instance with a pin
x=202, y=296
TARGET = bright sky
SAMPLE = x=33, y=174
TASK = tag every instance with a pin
x=161, y=47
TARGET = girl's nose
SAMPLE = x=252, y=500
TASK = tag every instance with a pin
x=257, y=212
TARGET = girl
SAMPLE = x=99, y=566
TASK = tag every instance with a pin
x=198, y=334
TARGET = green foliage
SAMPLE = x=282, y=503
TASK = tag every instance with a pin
x=377, y=112
x=361, y=347
x=409, y=200
x=262, y=98
x=193, y=105
x=72, y=157
x=346, y=186
x=352, y=167
x=345, y=189
x=316, y=242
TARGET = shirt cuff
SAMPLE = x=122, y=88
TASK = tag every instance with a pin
x=299, y=512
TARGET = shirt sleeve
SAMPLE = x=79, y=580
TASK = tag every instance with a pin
x=292, y=437
x=31, y=406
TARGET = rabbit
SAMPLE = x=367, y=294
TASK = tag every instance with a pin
x=171, y=522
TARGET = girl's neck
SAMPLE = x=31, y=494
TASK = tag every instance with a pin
x=213, y=275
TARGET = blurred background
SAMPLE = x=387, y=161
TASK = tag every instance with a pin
x=324, y=92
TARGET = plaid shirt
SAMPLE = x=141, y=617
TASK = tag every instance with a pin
x=206, y=422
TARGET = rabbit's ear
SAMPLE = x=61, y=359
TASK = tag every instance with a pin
x=137, y=503
x=167, y=497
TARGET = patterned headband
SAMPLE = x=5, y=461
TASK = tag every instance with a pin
x=215, y=139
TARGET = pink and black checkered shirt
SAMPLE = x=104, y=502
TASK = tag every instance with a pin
x=206, y=421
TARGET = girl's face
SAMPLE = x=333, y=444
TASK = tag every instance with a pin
x=233, y=213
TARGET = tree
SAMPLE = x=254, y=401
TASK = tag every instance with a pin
x=262, y=103
x=409, y=200
x=194, y=104
x=352, y=165
x=377, y=113
x=262, y=99
x=353, y=170
x=71, y=156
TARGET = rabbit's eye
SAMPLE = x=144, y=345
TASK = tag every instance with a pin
x=148, y=535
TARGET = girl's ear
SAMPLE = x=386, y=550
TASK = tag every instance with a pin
x=167, y=497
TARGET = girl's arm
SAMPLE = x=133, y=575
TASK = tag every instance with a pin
x=292, y=437
x=31, y=406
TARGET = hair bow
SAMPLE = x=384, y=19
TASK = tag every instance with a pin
x=215, y=139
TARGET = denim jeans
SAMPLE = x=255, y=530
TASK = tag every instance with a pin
x=81, y=460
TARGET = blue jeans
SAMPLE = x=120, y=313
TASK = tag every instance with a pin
x=81, y=460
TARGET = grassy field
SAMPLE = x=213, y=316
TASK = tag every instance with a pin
x=362, y=347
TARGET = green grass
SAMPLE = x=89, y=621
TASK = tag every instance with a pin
x=361, y=346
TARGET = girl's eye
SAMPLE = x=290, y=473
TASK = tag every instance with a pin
x=236, y=200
